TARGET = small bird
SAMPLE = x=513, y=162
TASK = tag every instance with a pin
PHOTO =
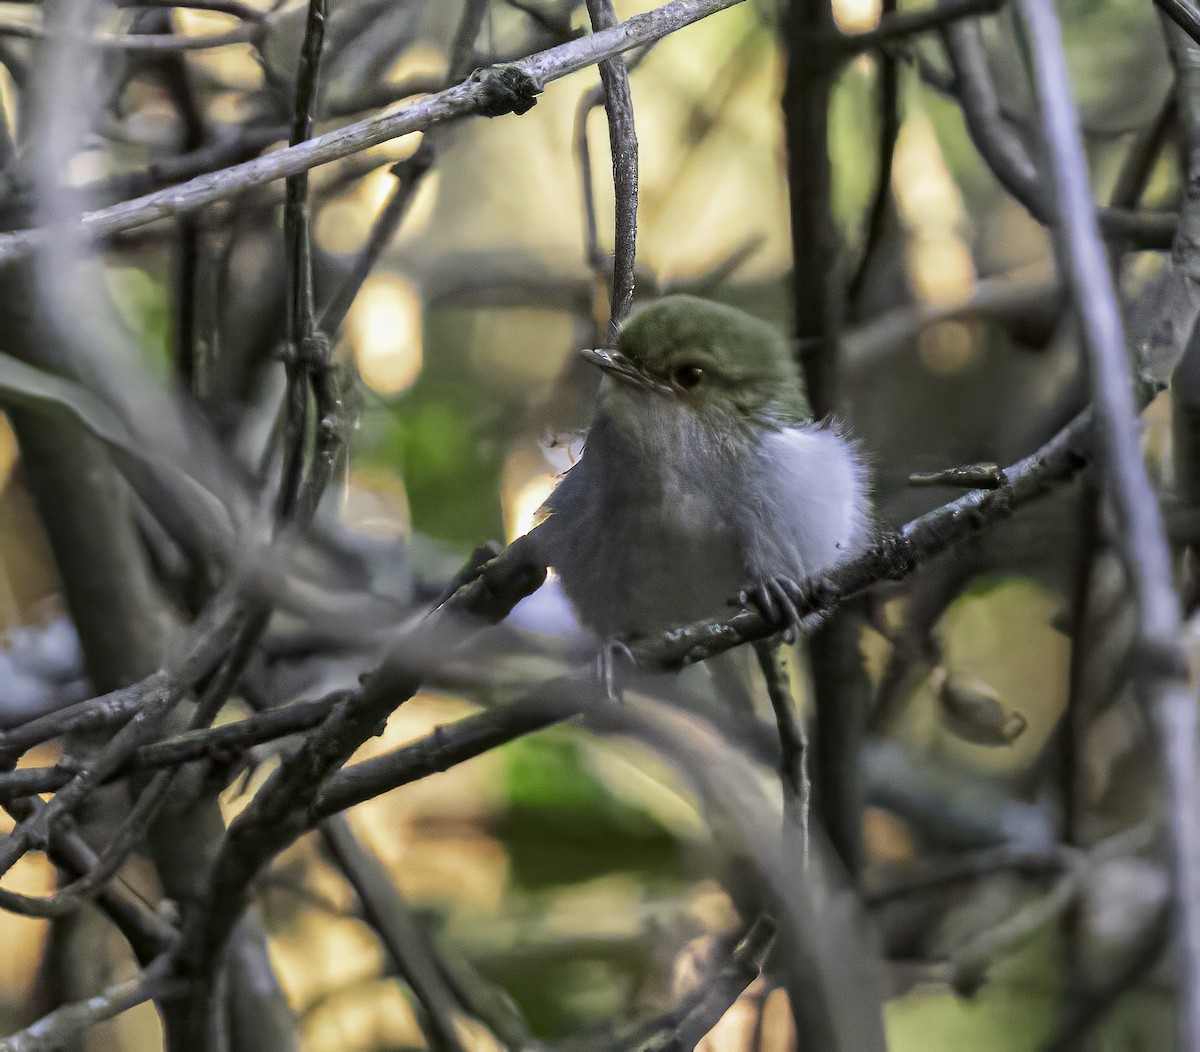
x=703, y=480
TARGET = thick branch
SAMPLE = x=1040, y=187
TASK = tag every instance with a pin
x=559, y=699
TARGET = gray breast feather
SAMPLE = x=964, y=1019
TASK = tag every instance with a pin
x=644, y=545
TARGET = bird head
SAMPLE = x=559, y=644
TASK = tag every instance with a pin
x=689, y=355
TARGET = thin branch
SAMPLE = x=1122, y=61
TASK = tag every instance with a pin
x=1160, y=669
x=597, y=258
x=59, y=1029
x=793, y=748
x=997, y=141
x=246, y=12
x=409, y=175
x=391, y=917
x=495, y=90
x=887, y=74
x=246, y=33
x=622, y=138
x=1000, y=299
x=1005, y=152
x=900, y=25
x=703, y=1007
x=1143, y=152
x=307, y=356
x=207, y=645
x=937, y=878
x=282, y=809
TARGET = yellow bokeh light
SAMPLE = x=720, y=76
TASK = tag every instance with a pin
x=385, y=330
x=940, y=267
x=529, y=478
x=856, y=16
x=521, y=511
x=925, y=190
x=940, y=264
x=947, y=347
x=420, y=60
x=8, y=450
x=341, y=227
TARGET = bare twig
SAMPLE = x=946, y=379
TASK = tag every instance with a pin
x=700, y=1010
x=968, y=476
x=391, y=917
x=492, y=92
x=60, y=1027
x=622, y=137
x=246, y=12
x=887, y=76
x=937, y=878
x=793, y=747
x=1005, y=153
x=307, y=350
x=246, y=33
x=899, y=25
x=409, y=175
x=1159, y=669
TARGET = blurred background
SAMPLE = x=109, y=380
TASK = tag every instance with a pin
x=572, y=871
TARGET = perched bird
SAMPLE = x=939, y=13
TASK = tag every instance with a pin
x=703, y=478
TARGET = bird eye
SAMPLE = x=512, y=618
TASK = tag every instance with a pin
x=687, y=376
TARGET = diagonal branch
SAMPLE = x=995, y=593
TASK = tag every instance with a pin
x=1160, y=671
x=496, y=90
x=63, y=1025
x=560, y=699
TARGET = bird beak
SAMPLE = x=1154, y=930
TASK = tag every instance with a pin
x=621, y=368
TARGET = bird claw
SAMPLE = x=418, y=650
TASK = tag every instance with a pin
x=606, y=659
x=778, y=599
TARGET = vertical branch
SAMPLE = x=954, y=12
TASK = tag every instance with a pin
x=793, y=747
x=297, y=234
x=622, y=137
x=176, y=77
x=1181, y=288
x=840, y=686
x=409, y=174
x=811, y=63
x=1159, y=670
x=888, y=87
x=1073, y=727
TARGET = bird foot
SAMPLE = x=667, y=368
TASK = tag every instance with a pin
x=606, y=661
x=778, y=599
